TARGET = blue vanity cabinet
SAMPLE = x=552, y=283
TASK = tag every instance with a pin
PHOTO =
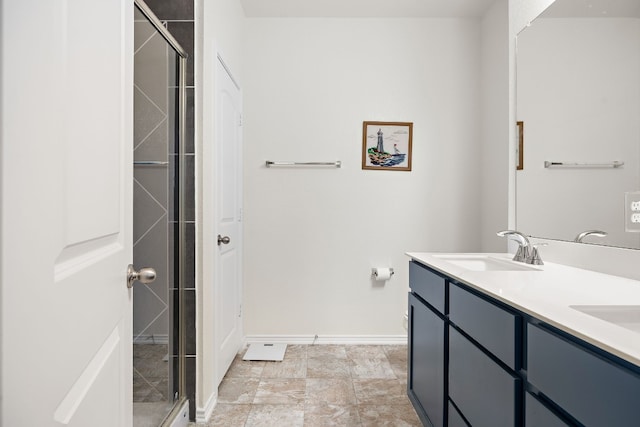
x=495, y=328
x=483, y=383
x=593, y=389
x=538, y=415
x=485, y=393
x=427, y=328
x=455, y=419
x=477, y=361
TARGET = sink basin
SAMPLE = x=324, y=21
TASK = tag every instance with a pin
x=626, y=316
x=479, y=262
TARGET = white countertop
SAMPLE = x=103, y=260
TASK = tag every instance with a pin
x=547, y=292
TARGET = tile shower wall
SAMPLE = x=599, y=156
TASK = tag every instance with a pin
x=150, y=230
x=178, y=16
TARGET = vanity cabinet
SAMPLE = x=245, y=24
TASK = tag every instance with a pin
x=481, y=381
x=589, y=387
x=537, y=415
x=426, y=381
x=485, y=393
x=475, y=361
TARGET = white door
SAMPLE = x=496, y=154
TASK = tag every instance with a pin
x=228, y=200
x=66, y=166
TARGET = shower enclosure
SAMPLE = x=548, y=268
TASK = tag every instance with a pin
x=158, y=225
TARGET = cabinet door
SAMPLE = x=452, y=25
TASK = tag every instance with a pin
x=485, y=393
x=594, y=390
x=455, y=419
x=537, y=415
x=426, y=362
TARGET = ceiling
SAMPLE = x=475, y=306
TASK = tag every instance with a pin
x=366, y=8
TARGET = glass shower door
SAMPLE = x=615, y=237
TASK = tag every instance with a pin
x=158, y=353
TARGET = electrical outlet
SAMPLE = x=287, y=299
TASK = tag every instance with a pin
x=632, y=211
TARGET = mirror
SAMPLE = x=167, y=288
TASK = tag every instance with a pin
x=578, y=98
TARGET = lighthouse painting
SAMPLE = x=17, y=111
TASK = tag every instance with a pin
x=387, y=145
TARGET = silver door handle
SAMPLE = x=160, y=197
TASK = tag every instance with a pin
x=144, y=275
x=223, y=240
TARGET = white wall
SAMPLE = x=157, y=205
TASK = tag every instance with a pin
x=495, y=126
x=312, y=235
x=579, y=97
x=219, y=29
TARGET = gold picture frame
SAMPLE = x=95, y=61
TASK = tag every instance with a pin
x=397, y=136
x=520, y=165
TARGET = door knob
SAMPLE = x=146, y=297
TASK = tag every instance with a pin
x=223, y=240
x=144, y=275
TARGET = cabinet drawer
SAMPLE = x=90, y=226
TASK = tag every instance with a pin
x=429, y=285
x=590, y=388
x=491, y=326
x=485, y=393
x=426, y=361
x=537, y=415
x=455, y=420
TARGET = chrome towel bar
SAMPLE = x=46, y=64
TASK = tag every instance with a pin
x=336, y=164
x=614, y=164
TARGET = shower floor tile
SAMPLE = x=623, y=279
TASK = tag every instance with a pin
x=150, y=373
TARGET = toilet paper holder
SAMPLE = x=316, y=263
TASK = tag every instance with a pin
x=374, y=273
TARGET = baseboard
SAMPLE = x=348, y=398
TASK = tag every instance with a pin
x=328, y=339
x=204, y=414
x=151, y=339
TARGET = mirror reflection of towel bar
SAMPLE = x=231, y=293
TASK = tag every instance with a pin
x=614, y=164
x=149, y=163
x=336, y=164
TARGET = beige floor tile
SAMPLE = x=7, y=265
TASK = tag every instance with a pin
x=365, y=352
x=335, y=391
x=229, y=415
x=276, y=416
x=318, y=385
x=371, y=368
x=380, y=391
x=238, y=390
x=328, y=367
x=288, y=368
x=325, y=415
x=296, y=351
x=280, y=391
x=337, y=351
x=396, y=352
x=245, y=369
x=399, y=368
x=388, y=415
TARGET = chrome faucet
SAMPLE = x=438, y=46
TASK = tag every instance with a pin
x=527, y=252
x=584, y=234
x=524, y=246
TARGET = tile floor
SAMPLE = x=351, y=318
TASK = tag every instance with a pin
x=318, y=385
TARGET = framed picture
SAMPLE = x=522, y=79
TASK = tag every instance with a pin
x=387, y=145
x=520, y=164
